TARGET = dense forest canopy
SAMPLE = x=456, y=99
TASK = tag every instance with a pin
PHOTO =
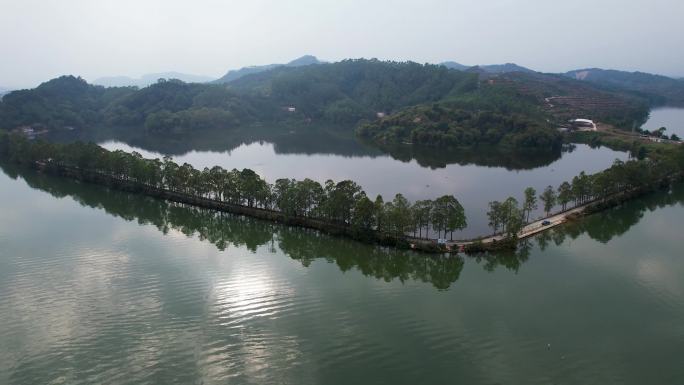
x=339, y=92
x=493, y=115
x=171, y=105
x=392, y=102
x=66, y=101
x=354, y=89
x=334, y=204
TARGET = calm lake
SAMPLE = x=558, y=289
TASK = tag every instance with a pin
x=671, y=118
x=475, y=177
x=99, y=286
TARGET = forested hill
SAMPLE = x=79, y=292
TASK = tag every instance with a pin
x=342, y=92
x=494, y=114
x=657, y=89
x=351, y=90
x=66, y=101
x=489, y=109
x=488, y=69
x=517, y=110
x=237, y=74
x=563, y=98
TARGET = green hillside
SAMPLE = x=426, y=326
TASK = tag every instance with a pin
x=388, y=102
x=658, y=89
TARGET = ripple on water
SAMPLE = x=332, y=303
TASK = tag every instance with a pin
x=135, y=306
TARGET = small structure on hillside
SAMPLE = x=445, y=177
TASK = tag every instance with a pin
x=380, y=115
x=583, y=125
x=27, y=130
x=31, y=131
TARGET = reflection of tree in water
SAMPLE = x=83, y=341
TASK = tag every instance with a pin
x=509, y=259
x=219, y=228
x=305, y=246
x=602, y=227
x=286, y=139
x=613, y=222
x=382, y=263
x=223, y=230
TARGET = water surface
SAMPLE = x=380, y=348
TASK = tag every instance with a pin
x=671, y=118
x=474, y=185
x=99, y=286
x=476, y=176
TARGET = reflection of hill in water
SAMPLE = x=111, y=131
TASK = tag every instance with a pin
x=310, y=140
x=481, y=156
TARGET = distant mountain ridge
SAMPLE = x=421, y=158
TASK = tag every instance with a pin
x=454, y=65
x=237, y=74
x=349, y=92
x=658, y=89
x=305, y=60
x=505, y=68
x=488, y=69
x=147, y=79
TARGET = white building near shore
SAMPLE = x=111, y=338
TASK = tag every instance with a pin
x=584, y=124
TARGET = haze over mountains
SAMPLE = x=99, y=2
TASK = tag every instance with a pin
x=309, y=60
x=236, y=74
x=232, y=75
x=658, y=89
x=409, y=102
x=450, y=106
x=490, y=68
x=147, y=79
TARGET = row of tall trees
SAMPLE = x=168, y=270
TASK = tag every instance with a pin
x=341, y=203
x=344, y=203
x=227, y=230
x=509, y=216
x=506, y=217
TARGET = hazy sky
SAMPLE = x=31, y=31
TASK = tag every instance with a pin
x=91, y=38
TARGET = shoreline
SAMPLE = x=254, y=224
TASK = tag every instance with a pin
x=492, y=242
x=342, y=209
